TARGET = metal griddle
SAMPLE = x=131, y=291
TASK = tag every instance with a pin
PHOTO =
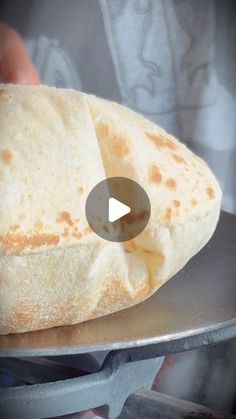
x=196, y=307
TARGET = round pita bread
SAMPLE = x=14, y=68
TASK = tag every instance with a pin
x=55, y=146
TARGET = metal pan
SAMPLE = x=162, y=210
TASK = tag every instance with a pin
x=195, y=307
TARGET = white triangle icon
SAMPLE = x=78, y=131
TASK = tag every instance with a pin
x=117, y=209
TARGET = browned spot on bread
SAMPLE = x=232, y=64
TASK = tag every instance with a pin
x=179, y=159
x=80, y=190
x=161, y=141
x=22, y=319
x=121, y=147
x=168, y=214
x=210, y=193
x=23, y=314
x=176, y=203
x=102, y=130
x=133, y=245
x=154, y=174
x=65, y=233
x=6, y=156
x=14, y=227
x=65, y=217
x=20, y=242
x=171, y=184
x=77, y=235
x=194, y=202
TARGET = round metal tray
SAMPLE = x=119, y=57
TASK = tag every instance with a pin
x=194, y=308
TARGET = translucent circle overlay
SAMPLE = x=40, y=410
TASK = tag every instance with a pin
x=129, y=193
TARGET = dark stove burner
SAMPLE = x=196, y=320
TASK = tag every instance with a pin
x=55, y=386
x=7, y=380
x=38, y=370
x=59, y=386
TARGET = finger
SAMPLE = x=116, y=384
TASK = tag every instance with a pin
x=15, y=63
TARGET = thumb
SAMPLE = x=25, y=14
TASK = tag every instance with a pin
x=15, y=63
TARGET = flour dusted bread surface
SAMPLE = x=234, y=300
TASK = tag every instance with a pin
x=184, y=194
x=55, y=146
x=49, y=161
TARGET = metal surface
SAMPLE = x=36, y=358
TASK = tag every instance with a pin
x=153, y=405
x=196, y=307
x=119, y=377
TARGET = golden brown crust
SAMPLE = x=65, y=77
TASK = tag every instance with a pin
x=53, y=269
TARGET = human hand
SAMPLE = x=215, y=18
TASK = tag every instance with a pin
x=15, y=64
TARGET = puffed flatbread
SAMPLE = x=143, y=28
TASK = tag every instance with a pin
x=55, y=146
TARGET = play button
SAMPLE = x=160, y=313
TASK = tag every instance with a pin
x=118, y=209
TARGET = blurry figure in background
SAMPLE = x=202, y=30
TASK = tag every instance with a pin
x=174, y=61
x=15, y=63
